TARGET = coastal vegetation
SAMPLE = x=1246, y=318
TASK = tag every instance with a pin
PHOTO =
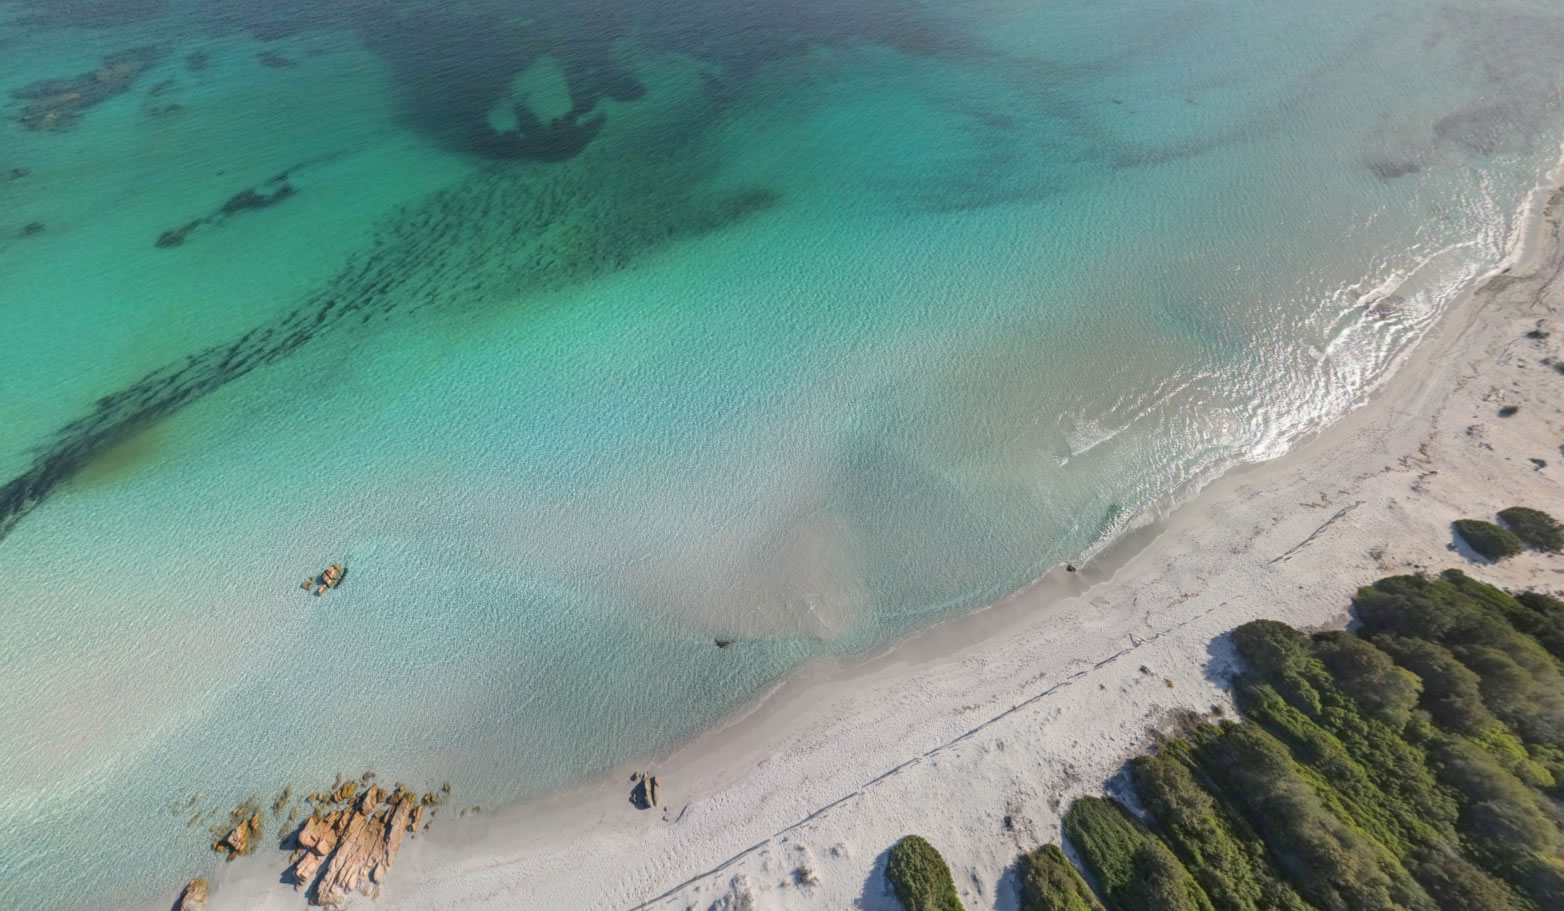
x=1050, y=883
x=1492, y=541
x=920, y=877
x=1414, y=765
x=1538, y=529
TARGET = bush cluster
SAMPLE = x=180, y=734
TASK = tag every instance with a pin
x=920, y=877
x=1488, y=539
x=1535, y=527
x=1416, y=765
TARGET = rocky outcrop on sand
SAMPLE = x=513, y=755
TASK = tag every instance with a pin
x=347, y=844
x=351, y=849
x=244, y=834
x=194, y=897
x=644, y=794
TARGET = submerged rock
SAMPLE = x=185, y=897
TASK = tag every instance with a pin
x=58, y=104
x=275, y=191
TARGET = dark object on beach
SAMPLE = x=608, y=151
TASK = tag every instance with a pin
x=1509, y=411
x=242, y=201
x=1537, y=335
x=32, y=228
x=196, y=62
x=58, y=104
x=274, y=60
x=1069, y=567
x=643, y=795
x=1535, y=527
x=724, y=643
x=1539, y=463
x=1488, y=539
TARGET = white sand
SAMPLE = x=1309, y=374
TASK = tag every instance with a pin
x=1017, y=710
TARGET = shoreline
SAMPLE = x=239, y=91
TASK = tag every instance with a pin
x=842, y=756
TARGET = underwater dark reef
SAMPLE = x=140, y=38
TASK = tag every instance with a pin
x=478, y=247
x=453, y=63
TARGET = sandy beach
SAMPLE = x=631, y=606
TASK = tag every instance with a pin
x=977, y=733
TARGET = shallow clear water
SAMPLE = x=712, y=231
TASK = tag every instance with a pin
x=846, y=318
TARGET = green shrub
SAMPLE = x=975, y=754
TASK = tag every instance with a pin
x=1544, y=604
x=1223, y=854
x=1488, y=539
x=1333, y=864
x=1050, y=883
x=920, y=878
x=1135, y=869
x=1456, y=882
x=1535, y=527
x=1451, y=690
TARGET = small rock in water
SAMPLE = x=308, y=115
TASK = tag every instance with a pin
x=242, y=838
x=1069, y=567
x=32, y=228
x=194, y=897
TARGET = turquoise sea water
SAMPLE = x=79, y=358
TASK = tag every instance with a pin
x=806, y=325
